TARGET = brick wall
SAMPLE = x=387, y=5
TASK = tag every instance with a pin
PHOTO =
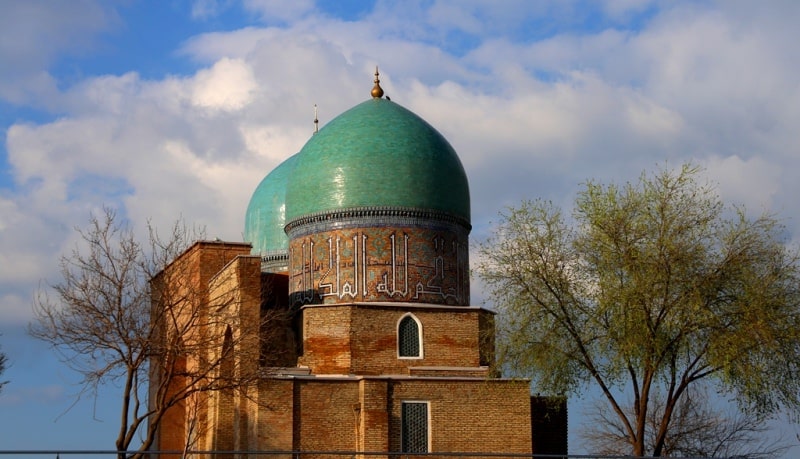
x=468, y=416
x=275, y=418
x=326, y=340
x=363, y=414
x=325, y=415
x=234, y=313
x=362, y=338
x=373, y=428
x=183, y=287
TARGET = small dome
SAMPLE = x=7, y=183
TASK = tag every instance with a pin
x=378, y=154
x=266, y=213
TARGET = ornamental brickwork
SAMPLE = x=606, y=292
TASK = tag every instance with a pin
x=395, y=264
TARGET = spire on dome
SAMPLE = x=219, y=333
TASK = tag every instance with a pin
x=377, y=91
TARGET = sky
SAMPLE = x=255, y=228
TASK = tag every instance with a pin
x=166, y=109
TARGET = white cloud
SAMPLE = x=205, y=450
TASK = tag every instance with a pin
x=753, y=182
x=36, y=32
x=227, y=86
x=210, y=47
x=16, y=305
x=529, y=119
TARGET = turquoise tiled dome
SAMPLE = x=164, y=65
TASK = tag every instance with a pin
x=266, y=213
x=377, y=154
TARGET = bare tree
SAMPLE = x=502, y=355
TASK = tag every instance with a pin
x=3, y=363
x=195, y=428
x=136, y=315
x=698, y=429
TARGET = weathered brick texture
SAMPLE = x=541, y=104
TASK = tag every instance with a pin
x=363, y=414
x=362, y=338
x=331, y=378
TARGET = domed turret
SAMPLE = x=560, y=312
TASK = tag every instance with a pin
x=378, y=155
x=378, y=210
x=266, y=217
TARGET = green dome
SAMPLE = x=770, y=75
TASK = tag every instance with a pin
x=377, y=154
x=266, y=213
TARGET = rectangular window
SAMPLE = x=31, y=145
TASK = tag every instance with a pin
x=415, y=433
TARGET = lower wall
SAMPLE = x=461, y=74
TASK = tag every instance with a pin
x=364, y=414
x=468, y=416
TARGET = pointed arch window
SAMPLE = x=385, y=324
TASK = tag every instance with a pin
x=409, y=338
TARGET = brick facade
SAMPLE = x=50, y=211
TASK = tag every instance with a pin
x=362, y=338
x=354, y=413
x=331, y=378
x=182, y=296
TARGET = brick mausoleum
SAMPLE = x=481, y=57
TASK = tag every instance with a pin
x=361, y=238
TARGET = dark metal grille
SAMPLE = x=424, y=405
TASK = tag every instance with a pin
x=415, y=427
x=408, y=334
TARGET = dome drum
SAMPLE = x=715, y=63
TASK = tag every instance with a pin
x=386, y=264
x=275, y=262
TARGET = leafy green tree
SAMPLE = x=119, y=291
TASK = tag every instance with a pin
x=649, y=289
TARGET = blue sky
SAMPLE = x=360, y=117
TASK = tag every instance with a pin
x=178, y=108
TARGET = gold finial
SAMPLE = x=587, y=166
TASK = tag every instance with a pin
x=377, y=91
x=316, y=120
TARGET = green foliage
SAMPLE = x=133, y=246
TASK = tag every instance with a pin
x=648, y=287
